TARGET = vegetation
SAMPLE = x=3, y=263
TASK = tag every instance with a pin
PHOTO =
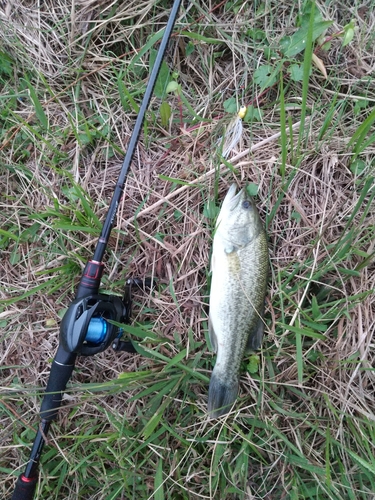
x=136, y=427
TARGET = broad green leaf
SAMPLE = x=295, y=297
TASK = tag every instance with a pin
x=253, y=114
x=305, y=464
x=252, y=189
x=71, y=227
x=299, y=357
x=137, y=331
x=257, y=34
x=190, y=109
x=134, y=375
x=178, y=215
x=348, y=33
x=265, y=76
x=210, y=209
x=358, y=166
x=172, y=86
x=361, y=132
x=292, y=45
x=348, y=272
x=360, y=105
x=165, y=113
x=49, y=284
x=348, y=37
x=177, y=359
x=296, y=72
x=326, y=46
x=253, y=364
x=164, y=75
x=308, y=10
x=230, y=105
x=296, y=216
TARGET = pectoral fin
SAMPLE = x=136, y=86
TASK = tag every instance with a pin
x=230, y=248
x=254, y=342
x=212, y=335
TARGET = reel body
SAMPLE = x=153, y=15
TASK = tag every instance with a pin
x=86, y=327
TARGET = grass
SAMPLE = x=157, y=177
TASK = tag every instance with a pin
x=72, y=80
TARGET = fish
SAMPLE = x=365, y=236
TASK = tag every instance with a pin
x=239, y=266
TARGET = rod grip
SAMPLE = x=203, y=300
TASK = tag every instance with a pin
x=61, y=371
x=25, y=488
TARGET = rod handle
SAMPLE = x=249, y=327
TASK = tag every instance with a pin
x=61, y=371
x=25, y=488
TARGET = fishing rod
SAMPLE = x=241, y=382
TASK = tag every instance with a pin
x=86, y=327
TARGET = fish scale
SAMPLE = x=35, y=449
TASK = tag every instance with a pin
x=238, y=288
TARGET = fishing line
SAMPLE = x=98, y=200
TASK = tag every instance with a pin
x=246, y=107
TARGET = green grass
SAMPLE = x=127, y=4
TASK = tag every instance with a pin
x=136, y=426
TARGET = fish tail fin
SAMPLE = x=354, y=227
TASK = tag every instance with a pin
x=221, y=395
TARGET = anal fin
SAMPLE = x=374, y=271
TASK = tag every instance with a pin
x=254, y=342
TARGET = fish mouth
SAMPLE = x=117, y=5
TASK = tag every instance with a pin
x=232, y=199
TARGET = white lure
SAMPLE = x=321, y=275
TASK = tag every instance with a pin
x=233, y=133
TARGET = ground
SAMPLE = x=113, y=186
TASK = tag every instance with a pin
x=135, y=426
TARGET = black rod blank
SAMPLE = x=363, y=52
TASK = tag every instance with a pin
x=107, y=226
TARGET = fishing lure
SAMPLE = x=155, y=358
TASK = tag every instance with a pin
x=233, y=133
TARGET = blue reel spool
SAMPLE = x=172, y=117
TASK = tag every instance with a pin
x=96, y=331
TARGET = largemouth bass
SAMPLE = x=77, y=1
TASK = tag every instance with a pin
x=238, y=287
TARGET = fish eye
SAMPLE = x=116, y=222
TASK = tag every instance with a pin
x=246, y=204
